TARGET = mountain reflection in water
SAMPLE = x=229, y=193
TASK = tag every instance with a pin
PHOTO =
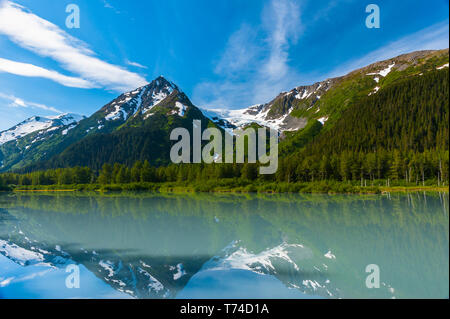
x=224, y=246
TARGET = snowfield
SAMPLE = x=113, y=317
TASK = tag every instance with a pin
x=38, y=123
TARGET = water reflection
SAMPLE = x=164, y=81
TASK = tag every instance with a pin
x=188, y=246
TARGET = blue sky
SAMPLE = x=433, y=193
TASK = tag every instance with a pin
x=222, y=54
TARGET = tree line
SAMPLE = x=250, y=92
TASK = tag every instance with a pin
x=367, y=168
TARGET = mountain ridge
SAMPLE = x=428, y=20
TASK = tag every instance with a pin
x=38, y=123
x=305, y=100
x=160, y=105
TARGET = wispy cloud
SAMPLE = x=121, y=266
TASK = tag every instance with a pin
x=260, y=55
x=46, y=39
x=7, y=281
x=108, y=5
x=431, y=38
x=30, y=70
x=240, y=52
x=15, y=101
x=282, y=18
x=135, y=64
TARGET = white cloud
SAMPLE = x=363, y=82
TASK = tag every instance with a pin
x=18, y=102
x=258, y=54
x=240, y=51
x=138, y=65
x=431, y=38
x=46, y=39
x=5, y=282
x=283, y=19
x=30, y=70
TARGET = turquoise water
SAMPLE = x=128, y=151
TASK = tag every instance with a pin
x=224, y=246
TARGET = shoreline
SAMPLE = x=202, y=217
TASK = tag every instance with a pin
x=167, y=189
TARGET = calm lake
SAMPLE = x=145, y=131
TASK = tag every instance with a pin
x=223, y=246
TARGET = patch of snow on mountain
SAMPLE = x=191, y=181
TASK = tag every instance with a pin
x=108, y=266
x=68, y=118
x=384, y=72
x=18, y=254
x=323, y=120
x=132, y=100
x=65, y=131
x=181, y=108
x=156, y=98
x=305, y=95
x=146, y=116
x=154, y=283
x=375, y=90
x=116, y=114
x=311, y=284
x=138, y=99
x=51, y=129
x=180, y=272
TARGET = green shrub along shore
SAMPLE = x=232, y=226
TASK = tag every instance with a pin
x=222, y=178
x=232, y=186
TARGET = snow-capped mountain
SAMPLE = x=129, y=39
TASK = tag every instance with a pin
x=290, y=263
x=142, y=118
x=276, y=114
x=35, y=139
x=140, y=102
x=148, y=277
x=308, y=101
x=145, y=116
x=40, y=138
x=38, y=123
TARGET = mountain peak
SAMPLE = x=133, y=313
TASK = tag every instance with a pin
x=141, y=100
x=161, y=83
x=38, y=123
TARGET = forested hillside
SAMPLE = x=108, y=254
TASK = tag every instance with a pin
x=410, y=115
x=397, y=134
x=400, y=133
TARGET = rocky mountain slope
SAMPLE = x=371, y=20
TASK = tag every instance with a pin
x=324, y=101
